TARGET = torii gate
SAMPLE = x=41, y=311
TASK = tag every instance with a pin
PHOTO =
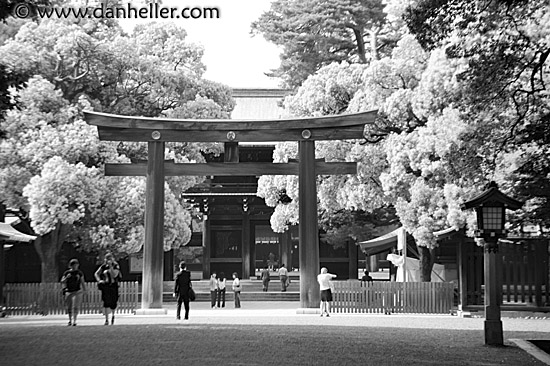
x=157, y=131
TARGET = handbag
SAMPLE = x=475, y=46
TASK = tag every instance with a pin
x=191, y=294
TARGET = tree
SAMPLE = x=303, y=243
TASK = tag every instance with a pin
x=55, y=205
x=506, y=46
x=84, y=66
x=460, y=100
x=355, y=197
x=313, y=34
x=45, y=137
x=420, y=157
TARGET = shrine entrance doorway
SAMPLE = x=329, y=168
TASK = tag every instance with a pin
x=156, y=132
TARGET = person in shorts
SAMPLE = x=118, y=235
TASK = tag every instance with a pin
x=324, y=279
x=73, y=289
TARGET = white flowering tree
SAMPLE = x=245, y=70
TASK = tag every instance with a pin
x=329, y=91
x=420, y=159
x=51, y=161
x=505, y=86
x=59, y=198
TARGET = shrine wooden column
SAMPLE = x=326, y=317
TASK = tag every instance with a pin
x=462, y=255
x=353, y=256
x=206, y=248
x=310, y=296
x=153, y=253
x=248, y=271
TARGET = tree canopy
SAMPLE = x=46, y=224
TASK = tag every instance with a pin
x=313, y=34
x=506, y=45
x=462, y=100
x=51, y=161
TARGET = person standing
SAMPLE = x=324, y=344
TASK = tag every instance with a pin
x=265, y=277
x=73, y=289
x=213, y=289
x=108, y=276
x=271, y=261
x=237, y=290
x=181, y=290
x=283, y=275
x=367, y=279
x=326, y=295
x=221, y=290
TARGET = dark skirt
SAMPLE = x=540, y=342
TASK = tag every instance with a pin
x=109, y=295
x=326, y=295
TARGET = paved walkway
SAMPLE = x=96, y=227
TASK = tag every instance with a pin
x=255, y=316
x=285, y=313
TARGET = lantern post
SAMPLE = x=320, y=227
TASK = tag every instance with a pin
x=490, y=209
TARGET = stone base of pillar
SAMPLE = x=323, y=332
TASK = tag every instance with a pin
x=493, y=333
x=308, y=311
x=151, y=311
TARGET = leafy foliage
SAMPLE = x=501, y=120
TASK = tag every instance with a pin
x=506, y=46
x=313, y=34
x=51, y=160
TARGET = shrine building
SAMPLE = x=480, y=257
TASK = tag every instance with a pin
x=232, y=231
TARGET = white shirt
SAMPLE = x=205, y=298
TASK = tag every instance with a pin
x=236, y=283
x=324, y=279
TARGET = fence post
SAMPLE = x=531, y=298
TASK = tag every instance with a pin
x=538, y=270
x=136, y=292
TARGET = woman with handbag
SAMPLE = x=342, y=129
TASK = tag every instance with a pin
x=108, y=275
x=182, y=288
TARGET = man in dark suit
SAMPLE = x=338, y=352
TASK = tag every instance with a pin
x=181, y=290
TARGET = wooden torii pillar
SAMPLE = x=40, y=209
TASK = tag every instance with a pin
x=157, y=131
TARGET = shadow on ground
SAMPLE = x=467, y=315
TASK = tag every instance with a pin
x=229, y=344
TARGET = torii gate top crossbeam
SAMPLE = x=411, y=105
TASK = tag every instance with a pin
x=126, y=128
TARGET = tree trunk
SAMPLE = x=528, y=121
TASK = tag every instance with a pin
x=375, y=55
x=361, y=51
x=426, y=264
x=48, y=247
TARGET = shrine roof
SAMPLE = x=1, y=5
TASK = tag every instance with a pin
x=10, y=234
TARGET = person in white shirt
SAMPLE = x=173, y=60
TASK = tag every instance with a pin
x=326, y=295
x=237, y=290
x=283, y=275
x=213, y=289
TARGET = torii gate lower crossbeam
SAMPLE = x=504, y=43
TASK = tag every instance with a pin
x=303, y=130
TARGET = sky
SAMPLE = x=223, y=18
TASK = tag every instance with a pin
x=231, y=55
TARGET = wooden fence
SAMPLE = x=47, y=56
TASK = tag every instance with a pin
x=47, y=298
x=525, y=272
x=392, y=297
